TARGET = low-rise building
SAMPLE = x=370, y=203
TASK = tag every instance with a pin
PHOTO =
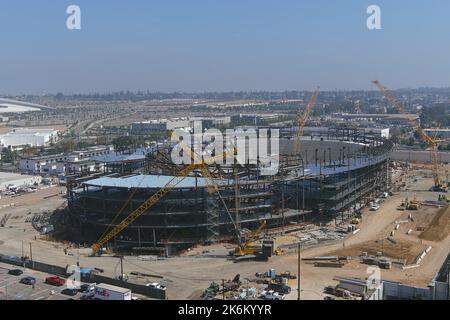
x=62, y=163
x=28, y=137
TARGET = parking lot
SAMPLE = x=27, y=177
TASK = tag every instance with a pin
x=12, y=289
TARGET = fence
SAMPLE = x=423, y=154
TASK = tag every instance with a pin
x=90, y=277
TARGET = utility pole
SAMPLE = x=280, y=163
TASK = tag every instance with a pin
x=223, y=289
x=298, y=269
x=121, y=268
x=31, y=256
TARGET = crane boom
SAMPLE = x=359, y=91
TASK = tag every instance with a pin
x=143, y=207
x=150, y=202
x=432, y=142
x=303, y=117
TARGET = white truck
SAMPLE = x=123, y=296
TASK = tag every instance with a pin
x=109, y=292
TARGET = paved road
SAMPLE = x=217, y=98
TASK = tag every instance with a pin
x=12, y=289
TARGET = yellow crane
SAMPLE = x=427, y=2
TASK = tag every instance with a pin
x=154, y=199
x=246, y=247
x=302, y=118
x=432, y=142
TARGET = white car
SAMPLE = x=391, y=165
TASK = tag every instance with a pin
x=156, y=285
x=272, y=295
x=374, y=207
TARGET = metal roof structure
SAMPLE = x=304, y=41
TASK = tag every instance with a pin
x=148, y=182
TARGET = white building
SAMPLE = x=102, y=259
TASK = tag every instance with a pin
x=161, y=125
x=62, y=163
x=36, y=165
x=28, y=137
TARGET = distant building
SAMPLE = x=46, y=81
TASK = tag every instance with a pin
x=62, y=163
x=43, y=164
x=385, y=119
x=208, y=122
x=161, y=125
x=323, y=131
x=255, y=118
x=28, y=137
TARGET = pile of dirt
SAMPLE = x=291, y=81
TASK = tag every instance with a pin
x=402, y=250
x=439, y=228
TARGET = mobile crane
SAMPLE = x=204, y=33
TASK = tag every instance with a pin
x=432, y=142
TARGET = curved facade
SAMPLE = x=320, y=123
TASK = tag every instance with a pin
x=337, y=175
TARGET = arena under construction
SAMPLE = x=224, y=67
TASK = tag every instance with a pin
x=336, y=174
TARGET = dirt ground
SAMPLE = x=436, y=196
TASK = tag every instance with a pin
x=188, y=275
x=406, y=251
x=439, y=228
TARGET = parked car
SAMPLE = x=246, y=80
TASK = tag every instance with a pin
x=15, y=272
x=272, y=295
x=156, y=285
x=70, y=292
x=87, y=288
x=55, y=281
x=28, y=281
x=279, y=287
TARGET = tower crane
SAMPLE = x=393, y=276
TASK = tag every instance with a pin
x=432, y=142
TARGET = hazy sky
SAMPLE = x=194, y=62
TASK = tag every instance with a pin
x=221, y=45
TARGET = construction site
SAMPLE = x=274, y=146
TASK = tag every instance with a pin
x=336, y=206
x=339, y=174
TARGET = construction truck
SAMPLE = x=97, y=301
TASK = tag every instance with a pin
x=413, y=204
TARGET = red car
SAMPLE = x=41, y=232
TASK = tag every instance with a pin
x=55, y=281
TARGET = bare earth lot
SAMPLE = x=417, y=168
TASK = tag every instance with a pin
x=188, y=275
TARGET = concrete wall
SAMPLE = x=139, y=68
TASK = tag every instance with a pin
x=135, y=288
x=35, y=265
x=418, y=156
x=92, y=278
x=441, y=291
x=394, y=290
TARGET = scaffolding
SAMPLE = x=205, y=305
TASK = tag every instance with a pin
x=335, y=175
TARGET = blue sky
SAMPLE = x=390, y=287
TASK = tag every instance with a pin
x=204, y=45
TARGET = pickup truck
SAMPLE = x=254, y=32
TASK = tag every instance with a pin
x=272, y=295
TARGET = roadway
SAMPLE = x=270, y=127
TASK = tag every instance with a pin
x=12, y=289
